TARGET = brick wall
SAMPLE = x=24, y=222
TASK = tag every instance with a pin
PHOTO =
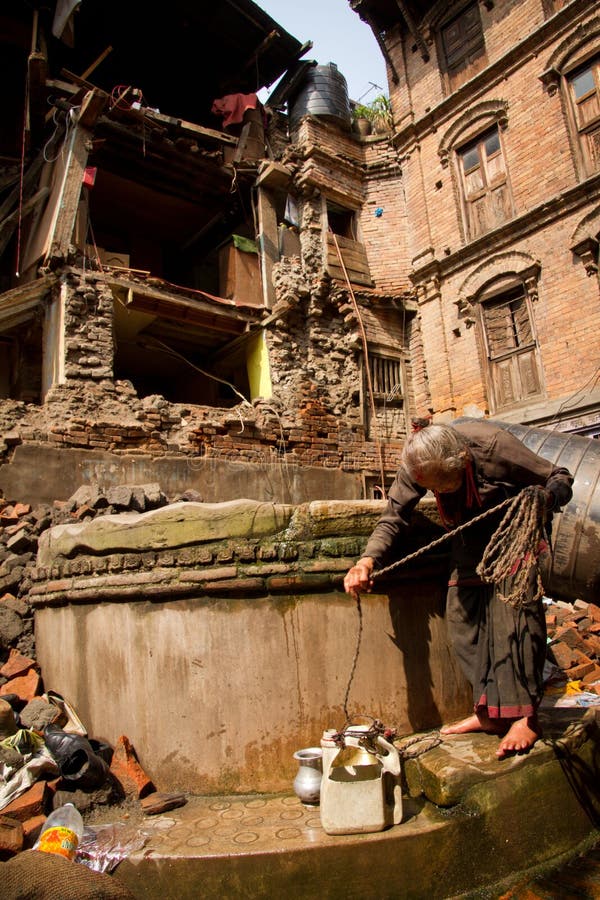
x=552, y=202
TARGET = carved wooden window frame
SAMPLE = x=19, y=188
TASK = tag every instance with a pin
x=580, y=50
x=492, y=167
x=519, y=357
x=584, y=109
x=471, y=57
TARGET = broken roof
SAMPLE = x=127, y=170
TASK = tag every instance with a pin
x=181, y=56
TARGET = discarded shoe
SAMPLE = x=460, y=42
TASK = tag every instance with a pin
x=69, y=720
x=77, y=762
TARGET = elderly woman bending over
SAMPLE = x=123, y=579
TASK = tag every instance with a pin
x=471, y=467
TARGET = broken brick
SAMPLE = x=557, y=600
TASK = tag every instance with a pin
x=28, y=804
x=16, y=664
x=593, y=612
x=26, y=687
x=126, y=769
x=564, y=656
x=32, y=828
x=11, y=836
x=576, y=673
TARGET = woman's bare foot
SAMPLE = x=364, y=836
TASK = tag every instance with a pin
x=520, y=737
x=476, y=722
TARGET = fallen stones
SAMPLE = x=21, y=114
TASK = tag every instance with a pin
x=574, y=641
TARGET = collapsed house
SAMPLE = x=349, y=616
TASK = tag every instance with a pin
x=205, y=291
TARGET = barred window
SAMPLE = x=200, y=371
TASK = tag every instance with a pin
x=386, y=378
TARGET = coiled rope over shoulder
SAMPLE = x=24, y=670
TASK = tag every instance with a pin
x=513, y=549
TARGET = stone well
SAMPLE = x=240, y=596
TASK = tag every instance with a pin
x=218, y=639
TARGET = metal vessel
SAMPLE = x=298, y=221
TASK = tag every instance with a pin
x=575, y=570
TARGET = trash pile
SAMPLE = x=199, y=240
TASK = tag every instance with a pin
x=47, y=758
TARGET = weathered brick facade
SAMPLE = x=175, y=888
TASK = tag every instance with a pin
x=520, y=88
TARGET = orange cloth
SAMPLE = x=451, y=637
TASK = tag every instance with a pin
x=233, y=106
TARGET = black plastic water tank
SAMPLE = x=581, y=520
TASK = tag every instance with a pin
x=324, y=92
x=575, y=571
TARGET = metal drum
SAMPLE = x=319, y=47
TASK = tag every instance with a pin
x=575, y=571
x=324, y=92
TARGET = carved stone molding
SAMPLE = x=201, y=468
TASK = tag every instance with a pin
x=585, y=241
x=587, y=251
x=483, y=115
x=551, y=81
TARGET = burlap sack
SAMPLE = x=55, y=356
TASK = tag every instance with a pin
x=44, y=876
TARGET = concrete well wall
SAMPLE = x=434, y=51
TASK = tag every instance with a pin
x=216, y=637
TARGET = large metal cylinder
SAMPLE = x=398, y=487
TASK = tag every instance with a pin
x=575, y=570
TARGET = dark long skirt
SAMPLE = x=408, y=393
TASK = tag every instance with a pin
x=501, y=650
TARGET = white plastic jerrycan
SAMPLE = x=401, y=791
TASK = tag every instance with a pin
x=361, y=786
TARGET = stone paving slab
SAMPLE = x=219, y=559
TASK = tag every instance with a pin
x=445, y=773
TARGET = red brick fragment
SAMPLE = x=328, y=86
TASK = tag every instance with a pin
x=22, y=509
x=576, y=673
x=126, y=769
x=16, y=664
x=593, y=612
x=28, y=804
x=31, y=829
x=8, y=516
x=11, y=836
x=26, y=686
x=564, y=655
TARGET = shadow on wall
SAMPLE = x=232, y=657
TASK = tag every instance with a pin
x=419, y=632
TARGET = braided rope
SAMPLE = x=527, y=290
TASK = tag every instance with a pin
x=444, y=537
x=513, y=551
x=356, y=652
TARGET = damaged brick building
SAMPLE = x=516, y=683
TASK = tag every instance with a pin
x=254, y=300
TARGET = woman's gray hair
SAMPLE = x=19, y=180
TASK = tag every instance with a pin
x=437, y=447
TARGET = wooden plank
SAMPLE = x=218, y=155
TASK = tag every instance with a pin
x=351, y=260
x=269, y=244
x=354, y=277
x=188, y=126
x=92, y=107
x=66, y=196
x=343, y=242
x=97, y=62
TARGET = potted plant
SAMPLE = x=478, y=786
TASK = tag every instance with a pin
x=362, y=118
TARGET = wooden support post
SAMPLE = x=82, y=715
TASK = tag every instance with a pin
x=268, y=242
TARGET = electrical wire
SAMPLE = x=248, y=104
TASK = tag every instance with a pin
x=154, y=340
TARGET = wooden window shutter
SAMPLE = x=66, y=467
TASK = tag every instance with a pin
x=513, y=366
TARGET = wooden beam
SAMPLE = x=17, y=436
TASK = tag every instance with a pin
x=92, y=107
x=189, y=126
x=65, y=197
x=97, y=62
